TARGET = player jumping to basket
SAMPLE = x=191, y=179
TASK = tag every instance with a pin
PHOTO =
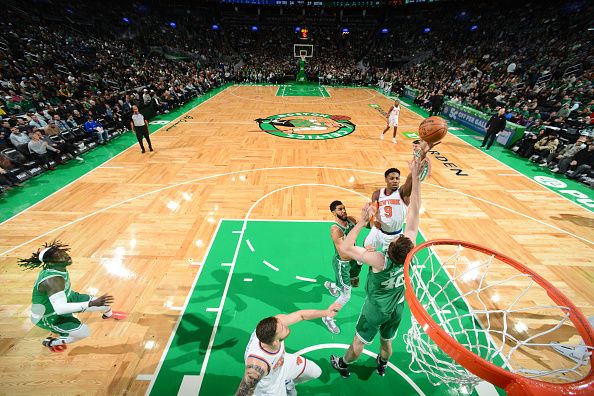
x=393, y=114
x=346, y=270
x=382, y=309
x=53, y=302
x=392, y=201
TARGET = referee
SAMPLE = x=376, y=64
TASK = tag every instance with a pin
x=140, y=125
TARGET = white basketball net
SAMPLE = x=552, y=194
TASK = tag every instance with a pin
x=489, y=308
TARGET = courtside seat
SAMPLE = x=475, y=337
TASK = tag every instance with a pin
x=16, y=157
x=20, y=173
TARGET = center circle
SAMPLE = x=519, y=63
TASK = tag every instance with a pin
x=307, y=126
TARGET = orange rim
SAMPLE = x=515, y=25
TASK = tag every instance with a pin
x=514, y=384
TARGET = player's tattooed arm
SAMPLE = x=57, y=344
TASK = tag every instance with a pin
x=253, y=374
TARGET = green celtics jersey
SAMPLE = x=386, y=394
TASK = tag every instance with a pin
x=345, y=231
x=385, y=289
x=41, y=305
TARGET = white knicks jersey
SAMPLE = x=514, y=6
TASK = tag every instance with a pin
x=394, y=113
x=391, y=211
x=274, y=382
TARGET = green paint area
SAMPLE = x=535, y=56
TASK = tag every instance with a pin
x=257, y=291
x=40, y=187
x=572, y=190
x=302, y=90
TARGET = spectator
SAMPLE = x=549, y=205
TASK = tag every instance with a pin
x=3, y=140
x=583, y=162
x=568, y=151
x=78, y=118
x=544, y=147
x=19, y=140
x=51, y=129
x=146, y=98
x=58, y=142
x=44, y=151
x=61, y=124
x=564, y=111
x=37, y=122
x=96, y=129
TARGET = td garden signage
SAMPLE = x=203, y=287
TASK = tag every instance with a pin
x=307, y=126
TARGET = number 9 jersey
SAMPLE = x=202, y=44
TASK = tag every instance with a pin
x=391, y=214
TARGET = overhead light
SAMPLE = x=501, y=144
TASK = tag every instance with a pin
x=520, y=327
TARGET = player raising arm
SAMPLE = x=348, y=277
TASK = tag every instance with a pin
x=269, y=370
x=382, y=309
x=346, y=271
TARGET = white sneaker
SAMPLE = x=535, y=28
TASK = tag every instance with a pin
x=382, y=136
x=334, y=292
x=79, y=159
x=577, y=353
x=331, y=325
x=394, y=140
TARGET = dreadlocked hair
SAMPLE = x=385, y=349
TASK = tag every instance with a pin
x=33, y=262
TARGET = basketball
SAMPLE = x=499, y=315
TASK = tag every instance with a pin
x=433, y=129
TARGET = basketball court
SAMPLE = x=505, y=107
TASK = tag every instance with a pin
x=227, y=223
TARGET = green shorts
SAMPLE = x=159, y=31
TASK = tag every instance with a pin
x=372, y=319
x=345, y=271
x=64, y=324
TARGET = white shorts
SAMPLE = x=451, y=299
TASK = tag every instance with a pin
x=393, y=121
x=295, y=368
x=379, y=240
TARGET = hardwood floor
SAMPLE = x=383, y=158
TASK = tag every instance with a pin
x=134, y=222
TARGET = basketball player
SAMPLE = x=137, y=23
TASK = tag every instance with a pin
x=392, y=201
x=269, y=370
x=383, y=306
x=53, y=301
x=346, y=270
x=393, y=114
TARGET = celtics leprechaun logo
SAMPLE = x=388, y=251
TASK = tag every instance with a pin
x=307, y=126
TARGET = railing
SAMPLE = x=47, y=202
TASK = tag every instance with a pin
x=575, y=69
x=544, y=78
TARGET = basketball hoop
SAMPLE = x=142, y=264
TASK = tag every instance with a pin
x=303, y=51
x=475, y=316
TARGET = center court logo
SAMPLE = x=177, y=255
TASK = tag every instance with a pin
x=307, y=126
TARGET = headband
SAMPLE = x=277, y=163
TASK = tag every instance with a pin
x=44, y=251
